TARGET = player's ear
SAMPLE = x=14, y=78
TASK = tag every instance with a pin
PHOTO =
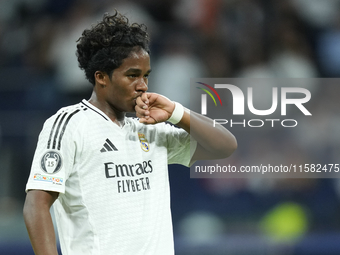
x=101, y=78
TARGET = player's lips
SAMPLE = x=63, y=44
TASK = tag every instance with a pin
x=135, y=98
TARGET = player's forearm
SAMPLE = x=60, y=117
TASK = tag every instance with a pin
x=217, y=141
x=40, y=228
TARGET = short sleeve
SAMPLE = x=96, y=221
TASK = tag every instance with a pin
x=181, y=146
x=54, y=155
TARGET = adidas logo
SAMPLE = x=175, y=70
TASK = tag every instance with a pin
x=108, y=146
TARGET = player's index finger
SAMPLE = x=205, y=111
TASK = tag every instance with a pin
x=144, y=98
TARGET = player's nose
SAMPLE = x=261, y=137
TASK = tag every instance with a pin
x=142, y=85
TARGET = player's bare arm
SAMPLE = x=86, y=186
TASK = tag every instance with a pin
x=39, y=222
x=213, y=142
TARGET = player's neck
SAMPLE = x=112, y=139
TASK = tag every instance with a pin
x=115, y=115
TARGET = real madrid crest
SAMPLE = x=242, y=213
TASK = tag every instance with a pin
x=51, y=162
x=143, y=142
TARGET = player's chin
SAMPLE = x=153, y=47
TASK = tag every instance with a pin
x=133, y=109
x=128, y=109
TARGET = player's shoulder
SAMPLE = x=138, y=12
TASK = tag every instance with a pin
x=67, y=114
x=63, y=125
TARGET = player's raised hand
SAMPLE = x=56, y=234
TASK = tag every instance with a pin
x=152, y=108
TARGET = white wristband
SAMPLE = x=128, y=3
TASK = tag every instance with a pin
x=177, y=114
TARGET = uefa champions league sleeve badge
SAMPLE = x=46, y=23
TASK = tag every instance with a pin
x=51, y=162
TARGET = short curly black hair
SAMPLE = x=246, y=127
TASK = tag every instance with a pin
x=105, y=45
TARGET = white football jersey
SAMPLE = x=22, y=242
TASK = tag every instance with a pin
x=113, y=181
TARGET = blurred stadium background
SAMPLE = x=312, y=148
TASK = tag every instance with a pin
x=190, y=38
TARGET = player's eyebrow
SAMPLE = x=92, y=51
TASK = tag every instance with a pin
x=136, y=70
